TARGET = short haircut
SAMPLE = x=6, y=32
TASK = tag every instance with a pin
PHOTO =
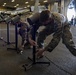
x=44, y=15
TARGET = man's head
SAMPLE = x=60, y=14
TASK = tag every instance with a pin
x=44, y=16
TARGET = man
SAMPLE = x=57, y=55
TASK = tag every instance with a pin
x=56, y=24
x=23, y=32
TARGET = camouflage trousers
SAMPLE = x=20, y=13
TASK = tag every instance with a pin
x=63, y=33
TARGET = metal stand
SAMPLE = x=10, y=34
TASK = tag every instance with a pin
x=16, y=41
x=8, y=41
x=28, y=66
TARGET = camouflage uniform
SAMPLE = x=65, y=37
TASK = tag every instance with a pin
x=24, y=28
x=60, y=29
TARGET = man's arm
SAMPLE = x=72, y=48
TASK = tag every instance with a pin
x=43, y=34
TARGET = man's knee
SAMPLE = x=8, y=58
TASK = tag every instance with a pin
x=68, y=42
x=52, y=44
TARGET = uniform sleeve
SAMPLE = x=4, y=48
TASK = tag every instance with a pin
x=59, y=19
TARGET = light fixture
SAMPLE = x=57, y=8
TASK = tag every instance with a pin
x=45, y=1
x=26, y=2
x=17, y=4
x=4, y=3
x=28, y=5
x=25, y=7
x=13, y=1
